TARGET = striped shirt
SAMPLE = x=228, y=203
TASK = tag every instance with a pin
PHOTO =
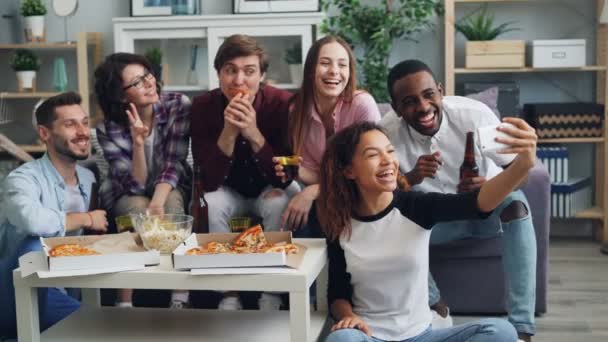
x=172, y=135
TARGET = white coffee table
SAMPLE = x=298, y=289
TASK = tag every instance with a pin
x=95, y=323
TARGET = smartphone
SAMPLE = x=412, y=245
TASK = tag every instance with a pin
x=487, y=137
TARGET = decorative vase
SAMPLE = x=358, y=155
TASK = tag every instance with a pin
x=60, y=77
x=34, y=29
x=26, y=80
x=192, y=78
x=295, y=72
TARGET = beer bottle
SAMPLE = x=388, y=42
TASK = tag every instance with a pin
x=198, y=206
x=469, y=168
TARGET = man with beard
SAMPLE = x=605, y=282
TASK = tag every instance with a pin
x=428, y=131
x=47, y=197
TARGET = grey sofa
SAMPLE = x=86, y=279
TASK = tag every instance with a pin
x=469, y=272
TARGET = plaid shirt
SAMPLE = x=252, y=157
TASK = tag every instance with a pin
x=171, y=140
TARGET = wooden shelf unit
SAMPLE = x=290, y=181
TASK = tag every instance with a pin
x=527, y=69
x=33, y=148
x=598, y=140
x=591, y=213
x=40, y=46
x=598, y=212
x=28, y=95
x=85, y=42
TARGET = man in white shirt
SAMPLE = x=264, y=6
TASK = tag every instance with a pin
x=428, y=131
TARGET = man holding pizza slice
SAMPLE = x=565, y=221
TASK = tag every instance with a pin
x=236, y=129
x=47, y=197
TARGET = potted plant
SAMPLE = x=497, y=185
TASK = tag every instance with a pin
x=33, y=12
x=482, y=51
x=372, y=27
x=293, y=58
x=26, y=64
x=155, y=57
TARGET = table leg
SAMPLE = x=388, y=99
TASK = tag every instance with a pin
x=299, y=316
x=322, y=279
x=26, y=302
x=91, y=297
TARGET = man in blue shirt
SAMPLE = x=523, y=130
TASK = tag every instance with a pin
x=47, y=197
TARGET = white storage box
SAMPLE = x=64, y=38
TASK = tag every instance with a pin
x=558, y=53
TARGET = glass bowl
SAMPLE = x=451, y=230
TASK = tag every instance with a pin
x=162, y=233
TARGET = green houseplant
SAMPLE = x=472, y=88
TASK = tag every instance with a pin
x=481, y=26
x=25, y=63
x=482, y=50
x=293, y=55
x=33, y=12
x=293, y=58
x=155, y=57
x=372, y=28
x=30, y=8
x=24, y=60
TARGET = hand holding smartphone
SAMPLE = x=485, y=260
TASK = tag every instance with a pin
x=487, y=137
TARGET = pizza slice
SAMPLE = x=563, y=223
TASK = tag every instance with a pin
x=71, y=250
x=215, y=247
x=253, y=238
x=233, y=91
x=196, y=251
x=288, y=248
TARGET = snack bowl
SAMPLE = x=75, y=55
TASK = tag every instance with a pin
x=162, y=233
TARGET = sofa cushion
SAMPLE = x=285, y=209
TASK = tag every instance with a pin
x=468, y=249
x=489, y=97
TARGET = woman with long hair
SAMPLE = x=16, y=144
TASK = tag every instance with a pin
x=144, y=137
x=327, y=102
x=378, y=237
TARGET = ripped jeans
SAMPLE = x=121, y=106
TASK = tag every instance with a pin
x=485, y=330
x=225, y=203
x=519, y=257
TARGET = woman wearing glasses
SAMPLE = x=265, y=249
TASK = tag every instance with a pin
x=144, y=137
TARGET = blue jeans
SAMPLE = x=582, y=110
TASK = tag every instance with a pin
x=485, y=330
x=519, y=258
x=53, y=304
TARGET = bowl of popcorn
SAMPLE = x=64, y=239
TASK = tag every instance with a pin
x=162, y=233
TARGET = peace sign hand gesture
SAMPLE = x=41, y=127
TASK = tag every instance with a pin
x=139, y=131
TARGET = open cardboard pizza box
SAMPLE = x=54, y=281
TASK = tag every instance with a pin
x=117, y=252
x=182, y=261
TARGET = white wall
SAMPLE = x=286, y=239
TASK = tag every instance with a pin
x=538, y=20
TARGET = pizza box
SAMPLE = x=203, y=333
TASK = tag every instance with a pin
x=119, y=252
x=182, y=261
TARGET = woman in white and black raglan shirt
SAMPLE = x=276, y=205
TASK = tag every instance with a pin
x=378, y=238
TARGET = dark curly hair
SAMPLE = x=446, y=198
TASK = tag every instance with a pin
x=339, y=195
x=109, y=84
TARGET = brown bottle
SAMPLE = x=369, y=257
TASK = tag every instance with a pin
x=469, y=168
x=198, y=207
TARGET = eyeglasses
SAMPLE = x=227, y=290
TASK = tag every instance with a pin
x=139, y=82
